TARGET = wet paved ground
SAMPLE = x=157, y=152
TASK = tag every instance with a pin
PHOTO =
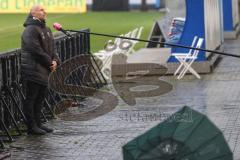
x=217, y=95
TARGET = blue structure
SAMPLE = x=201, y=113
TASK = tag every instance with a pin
x=158, y=4
x=227, y=16
x=230, y=17
x=197, y=24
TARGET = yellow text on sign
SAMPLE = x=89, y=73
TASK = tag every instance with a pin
x=51, y=6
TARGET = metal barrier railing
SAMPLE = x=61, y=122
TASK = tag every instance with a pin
x=11, y=102
x=12, y=91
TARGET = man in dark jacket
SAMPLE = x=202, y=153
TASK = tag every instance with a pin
x=37, y=61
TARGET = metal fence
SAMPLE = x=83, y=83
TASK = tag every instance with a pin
x=12, y=94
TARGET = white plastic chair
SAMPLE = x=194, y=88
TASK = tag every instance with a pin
x=106, y=57
x=187, y=60
x=137, y=35
x=185, y=54
x=134, y=33
x=103, y=53
x=124, y=46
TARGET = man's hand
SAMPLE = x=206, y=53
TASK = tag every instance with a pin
x=53, y=67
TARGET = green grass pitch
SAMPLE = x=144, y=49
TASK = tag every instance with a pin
x=115, y=23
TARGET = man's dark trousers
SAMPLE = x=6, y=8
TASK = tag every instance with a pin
x=35, y=94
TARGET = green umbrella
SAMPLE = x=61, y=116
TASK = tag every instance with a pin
x=186, y=135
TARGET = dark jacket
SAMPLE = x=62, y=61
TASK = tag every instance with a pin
x=37, y=51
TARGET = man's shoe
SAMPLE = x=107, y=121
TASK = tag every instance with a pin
x=46, y=129
x=35, y=130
